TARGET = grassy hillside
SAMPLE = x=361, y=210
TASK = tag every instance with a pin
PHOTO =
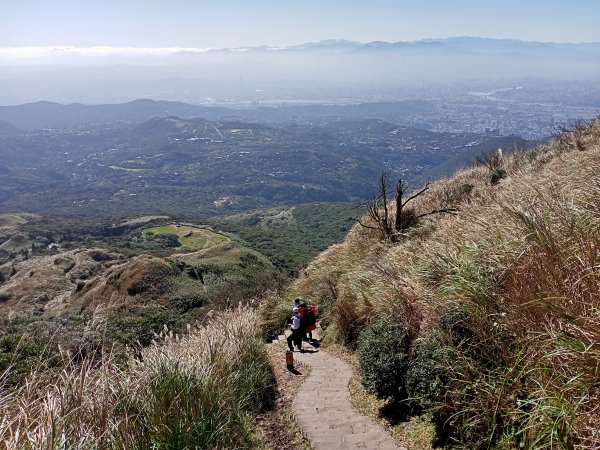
x=488, y=321
x=87, y=298
x=291, y=236
x=189, y=237
x=201, y=390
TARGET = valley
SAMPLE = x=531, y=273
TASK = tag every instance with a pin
x=200, y=168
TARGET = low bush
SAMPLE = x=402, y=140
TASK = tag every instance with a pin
x=497, y=175
x=383, y=350
x=20, y=354
x=457, y=323
x=139, y=324
x=433, y=362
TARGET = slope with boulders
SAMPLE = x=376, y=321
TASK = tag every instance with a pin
x=488, y=320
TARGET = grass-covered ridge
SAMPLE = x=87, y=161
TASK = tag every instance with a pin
x=89, y=299
x=494, y=312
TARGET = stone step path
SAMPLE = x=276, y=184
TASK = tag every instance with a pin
x=323, y=411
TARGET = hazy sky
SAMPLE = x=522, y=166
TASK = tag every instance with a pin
x=236, y=23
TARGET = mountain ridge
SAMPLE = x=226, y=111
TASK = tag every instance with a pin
x=324, y=43
x=46, y=114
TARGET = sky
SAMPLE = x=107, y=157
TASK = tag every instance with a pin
x=239, y=23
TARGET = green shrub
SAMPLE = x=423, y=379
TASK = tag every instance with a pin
x=383, y=356
x=497, y=175
x=475, y=333
x=430, y=370
x=166, y=240
x=22, y=353
x=457, y=322
x=128, y=325
x=455, y=195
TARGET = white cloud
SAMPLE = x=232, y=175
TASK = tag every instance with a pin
x=23, y=53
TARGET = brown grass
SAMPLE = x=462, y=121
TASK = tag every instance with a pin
x=198, y=390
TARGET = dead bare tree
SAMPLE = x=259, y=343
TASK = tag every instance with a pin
x=378, y=207
x=379, y=210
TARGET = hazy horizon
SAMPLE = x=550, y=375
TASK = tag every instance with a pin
x=45, y=53
x=207, y=52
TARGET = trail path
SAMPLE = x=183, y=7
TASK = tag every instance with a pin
x=323, y=411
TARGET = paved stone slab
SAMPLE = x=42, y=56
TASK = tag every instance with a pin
x=323, y=411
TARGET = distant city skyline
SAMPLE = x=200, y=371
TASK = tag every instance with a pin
x=239, y=23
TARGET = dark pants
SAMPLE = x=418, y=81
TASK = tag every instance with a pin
x=295, y=339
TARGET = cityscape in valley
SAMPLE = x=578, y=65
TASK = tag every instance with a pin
x=498, y=86
x=221, y=228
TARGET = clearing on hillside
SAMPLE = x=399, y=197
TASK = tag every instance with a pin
x=142, y=219
x=190, y=237
x=11, y=220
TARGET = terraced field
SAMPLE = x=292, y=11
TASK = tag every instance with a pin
x=190, y=237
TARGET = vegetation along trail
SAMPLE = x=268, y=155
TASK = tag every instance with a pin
x=323, y=411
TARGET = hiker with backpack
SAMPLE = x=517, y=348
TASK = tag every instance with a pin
x=310, y=320
x=295, y=338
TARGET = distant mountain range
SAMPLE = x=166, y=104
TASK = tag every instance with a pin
x=463, y=43
x=43, y=114
x=330, y=69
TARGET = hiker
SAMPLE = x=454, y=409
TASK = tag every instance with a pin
x=295, y=338
x=310, y=319
x=302, y=309
x=297, y=302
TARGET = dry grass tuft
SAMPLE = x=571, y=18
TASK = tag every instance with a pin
x=200, y=390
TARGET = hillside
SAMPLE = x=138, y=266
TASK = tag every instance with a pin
x=486, y=321
x=85, y=298
x=199, y=168
x=6, y=129
x=203, y=389
x=291, y=236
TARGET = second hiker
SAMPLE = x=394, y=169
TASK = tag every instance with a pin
x=295, y=338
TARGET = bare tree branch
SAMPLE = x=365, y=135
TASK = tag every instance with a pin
x=378, y=209
x=440, y=211
x=417, y=194
x=363, y=225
